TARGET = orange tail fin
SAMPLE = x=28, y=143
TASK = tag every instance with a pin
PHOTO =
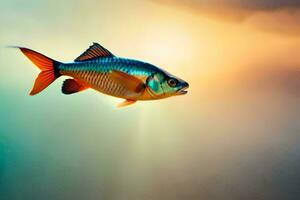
x=48, y=66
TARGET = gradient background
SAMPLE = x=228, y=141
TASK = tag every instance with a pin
x=236, y=135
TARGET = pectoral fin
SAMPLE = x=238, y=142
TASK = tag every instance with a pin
x=132, y=83
x=127, y=102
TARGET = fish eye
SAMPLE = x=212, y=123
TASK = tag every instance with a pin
x=172, y=82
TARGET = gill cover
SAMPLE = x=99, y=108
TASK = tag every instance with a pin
x=154, y=83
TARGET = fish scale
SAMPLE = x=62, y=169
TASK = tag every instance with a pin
x=95, y=73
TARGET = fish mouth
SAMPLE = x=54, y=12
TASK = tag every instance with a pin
x=182, y=91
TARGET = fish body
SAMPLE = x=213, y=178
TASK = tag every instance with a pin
x=96, y=74
x=99, y=69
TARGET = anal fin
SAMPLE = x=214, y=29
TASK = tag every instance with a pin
x=127, y=102
x=71, y=86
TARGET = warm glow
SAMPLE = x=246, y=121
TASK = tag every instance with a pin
x=235, y=135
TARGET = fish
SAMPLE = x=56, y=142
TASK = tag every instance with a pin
x=97, y=68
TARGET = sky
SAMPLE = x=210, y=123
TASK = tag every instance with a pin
x=235, y=135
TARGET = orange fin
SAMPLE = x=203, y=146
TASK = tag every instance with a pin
x=44, y=79
x=94, y=51
x=71, y=86
x=132, y=83
x=48, y=66
x=127, y=102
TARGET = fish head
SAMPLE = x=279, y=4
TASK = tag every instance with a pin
x=163, y=84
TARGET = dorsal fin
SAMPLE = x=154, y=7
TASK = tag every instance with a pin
x=94, y=51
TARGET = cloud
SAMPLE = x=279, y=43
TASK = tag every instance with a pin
x=253, y=5
x=282, y=21
x=281, y=16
